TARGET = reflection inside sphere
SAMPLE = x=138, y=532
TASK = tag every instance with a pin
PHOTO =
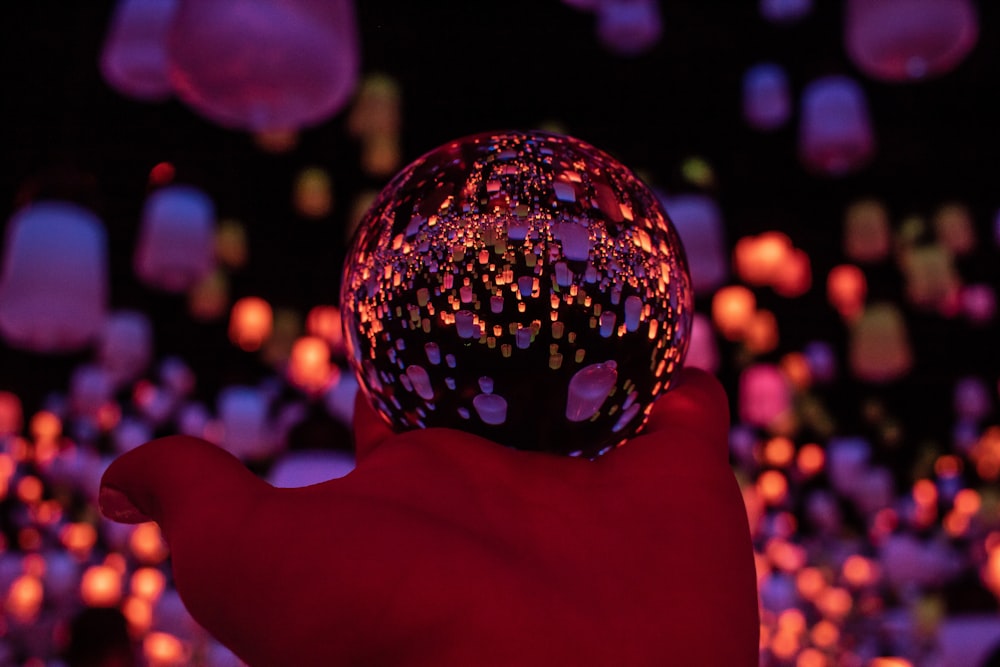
x=523, y=286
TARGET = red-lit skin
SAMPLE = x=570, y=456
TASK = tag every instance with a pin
x=442, y=548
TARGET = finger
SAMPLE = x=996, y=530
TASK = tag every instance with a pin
x=688, y=426
x=370, y=428
x=177, y=481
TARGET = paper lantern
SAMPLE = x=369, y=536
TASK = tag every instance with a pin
x=134, y=56
x=628, y=27
x=765, y=394
x=264, y=64
x=733, y=308
x=699, y=222
x=11, y=414
x=954, y=229
x=704, y=351
x=879, y=346
x=846, y=289
x=309, y=366
x=243, y=412
x=251, y=322
x=54, y=280
x=835, y=130
x=903, y=40
x=867, y=236
x=784, y=11
x=767, y=102
x=176, y=245
x=126, y=345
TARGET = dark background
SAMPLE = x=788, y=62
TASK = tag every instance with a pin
x=466, y=67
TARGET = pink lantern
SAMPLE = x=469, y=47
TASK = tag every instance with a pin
x=765, y=394
x=766, y=98
x=628, y=27
x=54, y=280
x=134, y=56
x=902, y=40
x=699, y=223
x=262, y=65
x=176, y=245
x=703, y=351
x=835, y=130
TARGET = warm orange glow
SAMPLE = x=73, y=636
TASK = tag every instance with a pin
x=779, y=451
x=986, y=454
x=859, y=571
x=11, y=414
x=792, y=620
x=325, y=322
x=309, y=366
x=890, y=662
x=968, y=501
x=139, y=614
x=794, y=276
x=147, y=583
x=772, y=486
x=78, y=538
x=231, y=244
x=101, y=586
x=834, y=603
x=785, y=555
x=733, y=308
x=147, y=543
x=758, y=259
x=825, y=634
x=381, y=155
x=313, y=193
x=846, y=290
x=785, y=645
x=955, y=523
x=810, y=582
x=811, y=459
x=811, y=657
x=924, y=492
x=163, y=649
x=45, y=425
x=24, y=598
x=947, y=466
x=276, y=140
x=795, y=366
x=250, y=323
x=209, y=299
x=29, y=489
x=762, y=333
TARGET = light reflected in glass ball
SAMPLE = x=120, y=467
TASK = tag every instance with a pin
x=523, y=286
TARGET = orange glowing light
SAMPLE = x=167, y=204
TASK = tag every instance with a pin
x=309, y=366
x=859, y=571
x=825, y=634
x=947, y=466
x=147, y=544
x=231, y=244
x=29, y=489
x=138, y=613
x=794, y=276
x=785, y=555
x=24, y=598
x=811, y=459
x=795, y=366
x=78, y=538
x=313, y=193
x=835, y=603
x=779, y=451
x=45, y=425
x=209, y=298
x=761, y=335
x=924, y=492
x=147, y=583
x=325, y=322
x=163, y=649
x=11, y=415
x=811, y=657
x=733, y=308
x=968, y=502
x=890, y=661
x=955, y=523
x=758, y=259
x=772, y=487
x=250, y=323
x=101, y=586
x=810, y=582
x=792, y=620
x=784, y=645
x=846, y=290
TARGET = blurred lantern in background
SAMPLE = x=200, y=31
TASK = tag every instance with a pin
x=628, y=27
x=767, y=102
x=54, y=280
x=264, y=65
x=134, y=56
x=867, y=235
x=176, y=245
x=835, y=130
x=699, y=222
x=879, y=347
x=784, y=11
x=903, y=40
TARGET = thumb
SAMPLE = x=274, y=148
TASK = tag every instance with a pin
x=176, y=481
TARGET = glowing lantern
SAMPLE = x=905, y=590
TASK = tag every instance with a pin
x=932, y=281
x=303, y=468
x=846, y=289
x=381, y=155
x=276, y=141
x=699, y=222
x=879, y=347
x=162, y=649
x=767, y=102
x=101, y=586
x=846, y=464
x=134, y=55
x=250, y=323
x=54, y=280
x=902, y=40
x=954, y=229
x=231, y=244
x=703, y=351
x=972, y=398
x=867, y=236
x=126, y=345
x=325, y=322
x=759, y=259
x=309, y=366
x=243, y=412
x=978, y=302
x=733, y=308
x=147, y=583
x=764, y=394
x=176, y=245
x=313, y=193
x=209, y=299
x=762, y=334
x=628, y=27
x=90, y=388
x=376, y=109
x=259, y=65
x=793, y=277
x=784, y=11
x=11, y=414
x=147, y=543
x=835, y=131
x=24, y=598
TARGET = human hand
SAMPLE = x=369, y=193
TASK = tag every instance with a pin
x=442, y=548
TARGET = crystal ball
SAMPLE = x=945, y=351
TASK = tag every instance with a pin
x=523, y=286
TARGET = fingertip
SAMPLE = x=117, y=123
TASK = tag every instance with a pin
x=117, y=506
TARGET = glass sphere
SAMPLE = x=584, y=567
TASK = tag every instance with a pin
x=523, y=286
